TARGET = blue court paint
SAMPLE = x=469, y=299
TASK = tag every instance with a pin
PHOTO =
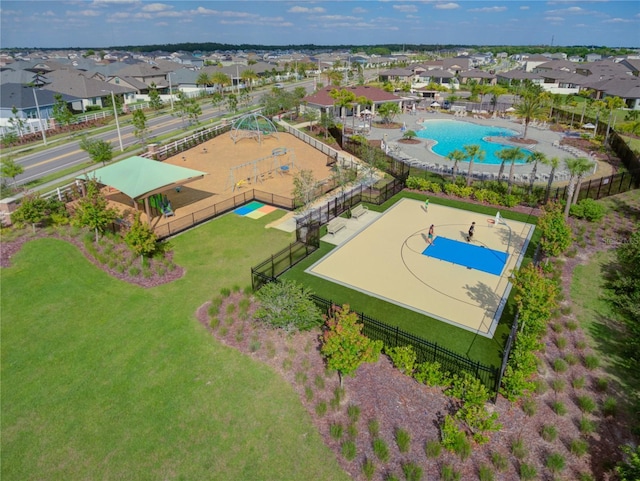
x=250, y=207
x=467, y=254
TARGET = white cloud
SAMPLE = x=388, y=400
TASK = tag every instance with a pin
x=82, y=13
x=9, y=12
x=524, y=7
x=338, y=18
x=161, y=24
x=570, y=10
x=554, y=19
x=488, y=9
x=447, y=6
x=106, y=3
x=359, y=10
x=298, y=9
x=406, y=8
x=618, y=20
x=156, y=7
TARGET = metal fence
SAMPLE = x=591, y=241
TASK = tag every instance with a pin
x=604, y=186
x=215, y=210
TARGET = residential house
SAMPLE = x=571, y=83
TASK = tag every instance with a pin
x=480, y=76
x=322, y=101
x=27, y=100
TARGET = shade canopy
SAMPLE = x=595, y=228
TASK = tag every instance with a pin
x=510, y=109
x=435, y=104
x=589, y=126
x=138, y=177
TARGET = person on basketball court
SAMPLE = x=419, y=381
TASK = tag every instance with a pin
x=430, y=236
x=471, y=231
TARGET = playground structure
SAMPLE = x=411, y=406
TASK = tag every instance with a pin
x=281, y=161
x=162, y=204
x=253, y=126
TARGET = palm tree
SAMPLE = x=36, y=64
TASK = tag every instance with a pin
x=534, y=158
x=530, y=106
x=220, y=78
x=577, y=168
x=248, y=76
x=554, y=163
x=472, y=152
x=455, y=156
x=203, y=79
x=512, y=154
x=502, y=155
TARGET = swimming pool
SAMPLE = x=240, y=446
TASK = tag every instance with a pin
x=453, y=134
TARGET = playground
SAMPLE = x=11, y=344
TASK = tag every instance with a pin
x=460, y=282
x=234, y=166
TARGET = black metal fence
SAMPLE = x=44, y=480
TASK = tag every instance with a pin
x=426, y=351
x=603, y=187
x=215, y=210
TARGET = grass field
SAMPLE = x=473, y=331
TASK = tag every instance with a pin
x=104, y=380
x=478, y=348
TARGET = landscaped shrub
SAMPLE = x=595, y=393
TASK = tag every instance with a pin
x=430, y=373
x=591, y=362
x=578, y=382
x=381, y=450
x=336, y=430
x=510, y=200
x=368, y=468
x=586, y=404
x=518, y=448
x=449, y=473
x=528, y=472
x=374, y=427
x=412, y=472
x=559, y=408
x=549, y=433
x=403, y=358
x=485, y=473
x=588, y=209
x=353, y=411
x=349, y=450
x=610, y=406
x=433, y=448
x=287, y=305
x=586, y=425
x=555, y=462
x=529, y=406
x=499, y=461
x=403, y=440
x=578, y=447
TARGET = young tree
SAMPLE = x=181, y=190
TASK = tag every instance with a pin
x=99, y=150
x=32, y=209
x=326, y=122
x=530, y=106
x=10, y=169
x=554, y=163
x=203, y=79
x=140, y=129
x=304, y=188
x=232, y=103
x=61, y=113
x=17, y=123
x=577, y=167
x=344, y=345
x=388, y=111
x=456, y=156
x=187, y=108
x=93, y=210
x=216, y=100
x=155, y=102
x=141, y=239
x=556, y=233
x=248, y=76
x=287, y=305
x=472, y=152
x=582, y=168
x=512, y=154
x=535, y=158
x=221, y=79
x=311, y=116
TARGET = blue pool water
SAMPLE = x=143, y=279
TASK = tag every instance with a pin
x=453, y=134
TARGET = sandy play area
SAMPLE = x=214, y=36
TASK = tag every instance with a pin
x=387, y=259
x=235, y=168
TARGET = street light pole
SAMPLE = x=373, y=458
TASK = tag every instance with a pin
x=170, y=90
x=115, y=113
x=44, y=136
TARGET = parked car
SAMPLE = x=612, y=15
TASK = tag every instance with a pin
x=278, y=86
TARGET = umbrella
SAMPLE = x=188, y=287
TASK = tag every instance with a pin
x=510, y=109
x=435, y=104
x=366, y=112
x=589, y=126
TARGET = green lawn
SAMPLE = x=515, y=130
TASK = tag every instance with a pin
x=466, y=343
x=104, y=380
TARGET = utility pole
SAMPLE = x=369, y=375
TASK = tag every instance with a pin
x=44, y=136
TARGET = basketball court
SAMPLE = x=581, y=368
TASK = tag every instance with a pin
x=463, y=283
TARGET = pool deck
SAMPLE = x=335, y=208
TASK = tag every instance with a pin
x=547, y=142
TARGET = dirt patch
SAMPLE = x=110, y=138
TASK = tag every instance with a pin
x=409, y=141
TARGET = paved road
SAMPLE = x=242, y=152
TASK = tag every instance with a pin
x=63, y=156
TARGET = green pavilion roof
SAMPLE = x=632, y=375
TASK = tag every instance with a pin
x=138, y=177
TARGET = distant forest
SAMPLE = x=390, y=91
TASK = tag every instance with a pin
x=385, y=49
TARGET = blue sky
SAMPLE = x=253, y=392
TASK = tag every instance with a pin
x=103, y=23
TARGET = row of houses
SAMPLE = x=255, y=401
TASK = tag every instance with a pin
x=30, y=84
